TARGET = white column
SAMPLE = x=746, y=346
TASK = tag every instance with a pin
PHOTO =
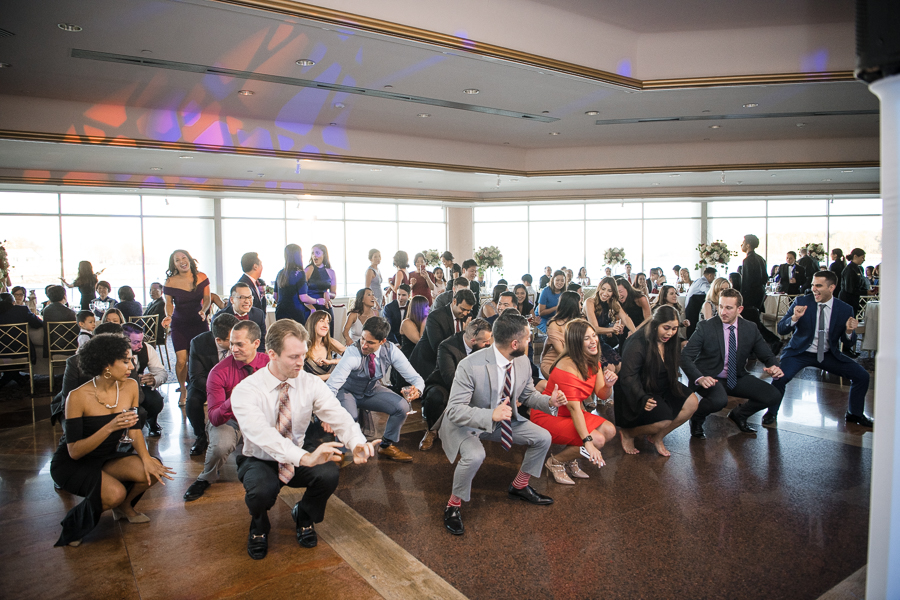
x=883, y=572
x=460, y=232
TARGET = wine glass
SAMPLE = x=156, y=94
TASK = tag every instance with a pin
x=407, y=394
x=126, y=439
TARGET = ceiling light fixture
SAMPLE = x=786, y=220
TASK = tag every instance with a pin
x=68, y=27
x=847, y=171
x=339, y=105
x=388, y=87
x=751, y=105
x=147, y=52
x=332, y=124
x=545, y=112
x=826, y=180
x=554, y=133
x=245, y=93
x=261, y=175
x=675, y=175
x=715, y=127
x=156, y=168
x=374, y=170
x=801, y=124
x=592, y=113
x=654, y=183
x=185, y=156
x=305, y=62
x=471, y=91
x=424, y=115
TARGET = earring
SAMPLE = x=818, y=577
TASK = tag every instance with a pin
x=107, y=374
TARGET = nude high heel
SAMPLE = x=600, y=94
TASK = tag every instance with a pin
x=558, y=471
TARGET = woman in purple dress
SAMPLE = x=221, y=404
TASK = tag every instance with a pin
x=187, y=300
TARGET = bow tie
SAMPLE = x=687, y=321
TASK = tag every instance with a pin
x=243, y=317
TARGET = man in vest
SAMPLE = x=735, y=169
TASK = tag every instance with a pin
x=149, y=374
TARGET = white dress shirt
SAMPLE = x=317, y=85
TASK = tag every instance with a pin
x=814, y=347
x=502, y=361
x=254, y=402
x=352, y=360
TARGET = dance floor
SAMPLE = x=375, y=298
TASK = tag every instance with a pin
x=782, y=514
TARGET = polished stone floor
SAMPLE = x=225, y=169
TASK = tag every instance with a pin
x=782, y=514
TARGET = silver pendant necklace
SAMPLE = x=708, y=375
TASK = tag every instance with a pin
x=98, y=396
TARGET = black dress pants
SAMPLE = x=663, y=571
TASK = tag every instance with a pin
x=153, y=403
x=434, y=402
x=261, y=484
x=196, y=416
x=752, y=314
x=760, y=395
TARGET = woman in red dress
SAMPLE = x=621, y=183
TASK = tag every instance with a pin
x=576, y=373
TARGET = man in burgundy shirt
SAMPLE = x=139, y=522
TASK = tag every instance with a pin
x=222, y=430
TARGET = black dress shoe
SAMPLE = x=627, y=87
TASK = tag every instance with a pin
x=154, y=430
x=453, y=520
x=528, y=494
x=257, y=546
x=862, y=420
x=769, y=418
x=196, y=490
x=741, y=423
x=200, y=446
x=851, y=353
x=697, y=430
x=306, y=532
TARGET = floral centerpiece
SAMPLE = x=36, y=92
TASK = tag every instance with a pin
x=4, y=267
x=432, y=258
x=815, y=251
x=489, y=257
x=713, y=254
x=614, y=256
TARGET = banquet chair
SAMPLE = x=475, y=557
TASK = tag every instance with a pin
x=15, y=349
x=62, y=342
x=149, y=324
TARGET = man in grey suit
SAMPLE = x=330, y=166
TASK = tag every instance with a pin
x=489, y=387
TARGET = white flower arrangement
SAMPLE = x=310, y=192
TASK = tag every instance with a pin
x=614, y=256
x=4, y=265
x=815, y=251
x=432, y=258
x=715, y=253
x=488, y=257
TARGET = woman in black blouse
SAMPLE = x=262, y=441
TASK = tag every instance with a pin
x=839, y=263
x=650, y=400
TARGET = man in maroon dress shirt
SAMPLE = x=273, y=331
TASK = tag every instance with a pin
x=223, y=430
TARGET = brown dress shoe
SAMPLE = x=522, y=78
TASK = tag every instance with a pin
x=394, y=453
x=427, y=441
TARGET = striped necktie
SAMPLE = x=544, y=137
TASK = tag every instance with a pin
x=506, y=425
x=283, y=426
x=732, y=358
x=820, y=348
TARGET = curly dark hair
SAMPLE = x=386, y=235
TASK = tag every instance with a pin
x=100, y=352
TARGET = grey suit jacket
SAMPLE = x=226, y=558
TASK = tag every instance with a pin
x=476, y=393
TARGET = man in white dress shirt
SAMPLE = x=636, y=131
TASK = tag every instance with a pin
x=273, y=408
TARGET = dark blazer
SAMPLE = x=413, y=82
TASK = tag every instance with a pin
x=130, y=308
x=704, y=354
x=837, y=267
x=784, y=277
x=392, y=315
x=476, y=289
x=202, y=357
x=438, y=328
x=805, y=328
x=450, y=352
x=754, y=276
x=810, y=268
x=56, y=313
x=258, y=317
x=258, y=302
x=853, y=281
x=21, y=314
x=157, y=307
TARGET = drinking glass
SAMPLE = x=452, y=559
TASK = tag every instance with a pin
x=126, y=439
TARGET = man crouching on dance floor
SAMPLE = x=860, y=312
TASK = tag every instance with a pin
x=489, y=386
x=274, y=407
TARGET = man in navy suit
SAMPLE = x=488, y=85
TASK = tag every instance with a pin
x=241, y=306
x=394, y=312
x=819, y=324
x=251, y=265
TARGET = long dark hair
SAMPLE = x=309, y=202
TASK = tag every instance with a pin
x=556, y=274
x=614, y=306
x=358, y=301
x=311, y=323
x=418, y=310
x=672, y=350
x=840, y=257
x=326, y=262
x=586, y=364
x=293, y=262
x=527, y=306
x=569, y=307
x=172, y=271
x=86, y=275
x=663, y=294
x=633, y=294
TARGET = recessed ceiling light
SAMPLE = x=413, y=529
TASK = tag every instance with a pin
x=350, y=180
x=5, y=65
x=740, y=182
x=675, y=175
x=424, y=115
x=388, y=87
x=826, y=180
x=261, y=175
x=156, y=168
x=471, y=91
x=249, y=170
x=715, y=127
x=68, y=27
x=591, y=113
x=772, y=175
x=847, y=171
x=559, y=181
x=655, y=183
x=801, y=124
x=185, y=156
x=332, y=124
x=545, y=112
x=706, y=111
x=147, y=52
x=374, y=170
x=305, y=62
x=506, y=143
x=554, y=133
x=751, y=105
x=513, y=179
x=246, y=92
x=339, y=105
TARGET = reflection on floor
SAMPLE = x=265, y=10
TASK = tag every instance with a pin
x=783, y=514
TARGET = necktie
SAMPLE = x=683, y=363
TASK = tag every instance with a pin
x=820, y=349
x=456, y=321
x=506, y=426
x=283, y=426
x=248, y=370
x=732, y=358
x=371, y=362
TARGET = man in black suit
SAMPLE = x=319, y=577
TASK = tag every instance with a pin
x=754, y=274
x=207, y=349
x=446, y=297
x=251, y=265
x=715, y=359
x=470, y=272
x=451, y=351
x=395, y=311
x=441, y=324
x=791, y=276
x=240, y=304
x=157, y=307
x=56, y=311
x=810, y=266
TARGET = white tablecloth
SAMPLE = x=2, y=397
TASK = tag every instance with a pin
x=778, y=304
x=870, y=339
